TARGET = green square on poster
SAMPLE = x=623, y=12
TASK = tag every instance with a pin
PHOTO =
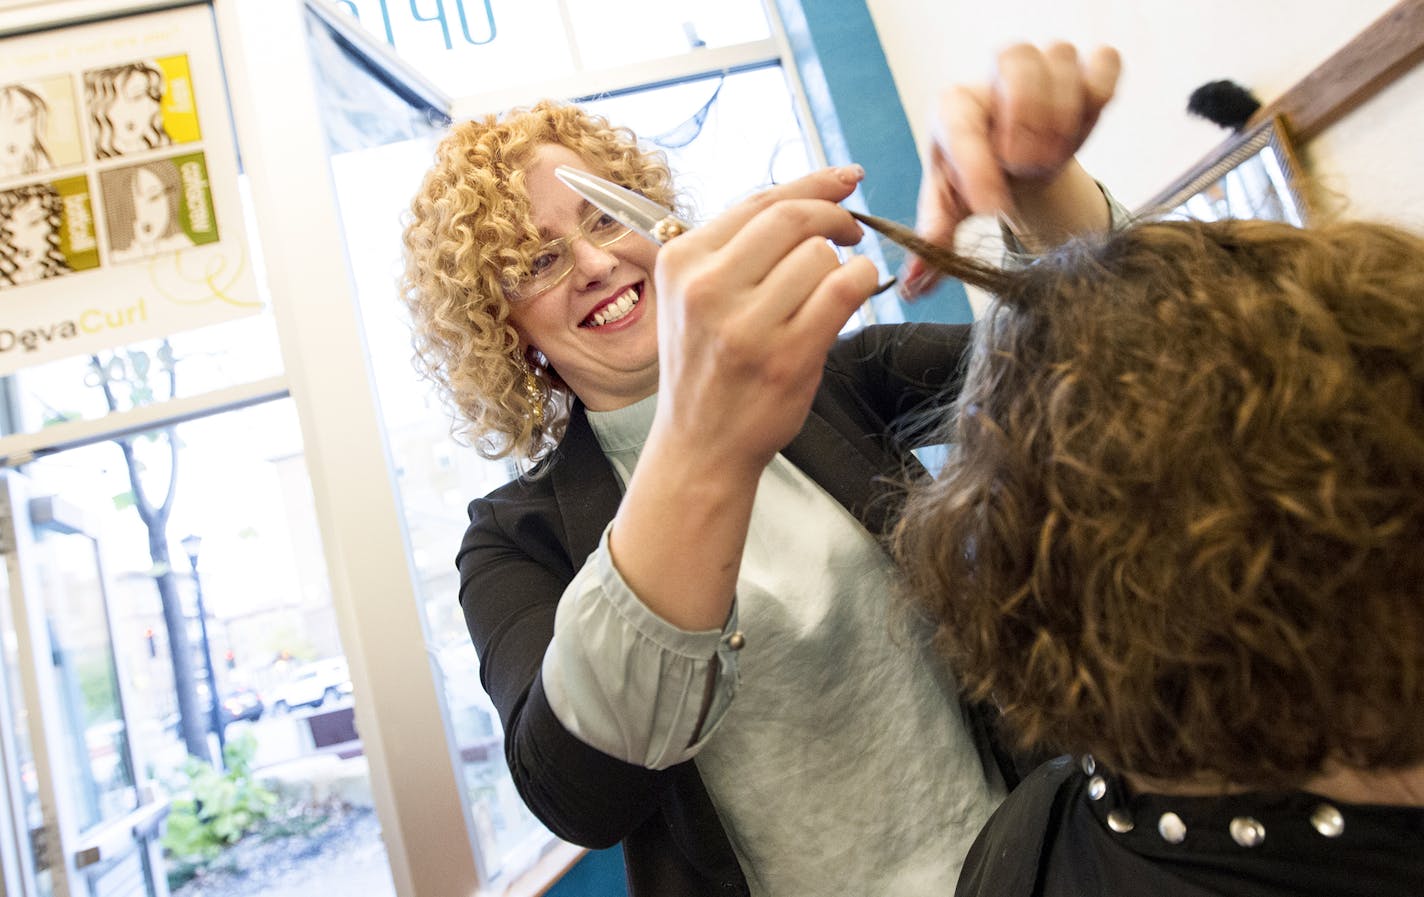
x=195, y=206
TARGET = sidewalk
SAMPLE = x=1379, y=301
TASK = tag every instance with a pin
x=345, y=857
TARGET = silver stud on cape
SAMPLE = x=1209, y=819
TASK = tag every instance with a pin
x=1120, y=822
x=1328, y=821
x=1172, y=829
x=1097, y=788
x=1247, y=832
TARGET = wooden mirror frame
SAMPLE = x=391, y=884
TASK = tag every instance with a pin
x=1392, y=45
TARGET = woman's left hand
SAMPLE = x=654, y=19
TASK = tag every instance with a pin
x=1007, y=147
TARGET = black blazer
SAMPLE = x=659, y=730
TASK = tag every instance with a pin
x=528, y=538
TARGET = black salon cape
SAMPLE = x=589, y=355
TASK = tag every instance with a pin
x=1049, y=839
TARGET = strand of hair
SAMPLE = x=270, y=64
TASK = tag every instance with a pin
x=940, y=259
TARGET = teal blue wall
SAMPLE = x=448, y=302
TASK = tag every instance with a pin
x=598, y=874
x=859, y=116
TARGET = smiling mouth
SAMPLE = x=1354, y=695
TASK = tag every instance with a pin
x=615, y=310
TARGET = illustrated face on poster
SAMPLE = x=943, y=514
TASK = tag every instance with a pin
x=120, y=218
x=158, y=206
x=23, y=121
x=38, y=130
x=141, y=105
x=46, y=230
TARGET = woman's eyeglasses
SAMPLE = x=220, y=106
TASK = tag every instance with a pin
x=553, y=261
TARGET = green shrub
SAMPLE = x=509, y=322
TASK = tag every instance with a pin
x=217, y=808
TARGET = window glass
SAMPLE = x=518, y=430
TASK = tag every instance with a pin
x=217, y=584
x=725, y=137
x=472, y=47
x=144, y=373
x=746, y=137
x=352, y=114
x=86, y=678
x=609, y=35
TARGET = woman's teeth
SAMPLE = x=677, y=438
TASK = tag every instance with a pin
x=615, y=310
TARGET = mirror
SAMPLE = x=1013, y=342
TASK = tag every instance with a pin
x=1256, y=175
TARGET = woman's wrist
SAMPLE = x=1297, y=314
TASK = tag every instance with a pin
x=1048, y=213
x=678, y=537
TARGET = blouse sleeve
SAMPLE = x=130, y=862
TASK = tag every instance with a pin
x=629, y=683
x=1016, y=255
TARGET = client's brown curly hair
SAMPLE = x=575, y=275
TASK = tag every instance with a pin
x=469, y=234
x=1182, y=525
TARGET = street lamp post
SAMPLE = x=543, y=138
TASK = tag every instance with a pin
x=191, y=544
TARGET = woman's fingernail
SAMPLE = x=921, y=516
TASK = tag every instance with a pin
x=851, y=174
x=905, y=283
x=912, y=287
x=885, y=286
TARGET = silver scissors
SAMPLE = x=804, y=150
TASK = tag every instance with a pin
x=634, y=210
x=654, y=221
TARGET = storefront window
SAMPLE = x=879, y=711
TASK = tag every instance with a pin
x=724, y=136
x=469, y=47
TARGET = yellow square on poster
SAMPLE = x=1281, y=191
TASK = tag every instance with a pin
x=180, y=112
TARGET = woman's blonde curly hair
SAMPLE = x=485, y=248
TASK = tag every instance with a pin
x=468, y=235
x=1182, y=527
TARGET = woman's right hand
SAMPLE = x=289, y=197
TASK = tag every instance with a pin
x=748, y=305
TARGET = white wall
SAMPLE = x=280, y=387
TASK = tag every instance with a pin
x=1146, y=138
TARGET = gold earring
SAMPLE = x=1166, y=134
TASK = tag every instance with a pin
x=534, y=394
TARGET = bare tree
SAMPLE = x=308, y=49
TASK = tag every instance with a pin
x=132, y=370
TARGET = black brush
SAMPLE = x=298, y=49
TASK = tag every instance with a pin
x=1223, y=103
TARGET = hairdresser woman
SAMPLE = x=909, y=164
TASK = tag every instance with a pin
x=680, y=610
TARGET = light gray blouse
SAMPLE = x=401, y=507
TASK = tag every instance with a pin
x=833, y=744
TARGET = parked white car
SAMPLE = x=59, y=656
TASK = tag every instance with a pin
x=312, y=685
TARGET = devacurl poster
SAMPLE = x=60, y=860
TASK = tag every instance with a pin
x=120, y=217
